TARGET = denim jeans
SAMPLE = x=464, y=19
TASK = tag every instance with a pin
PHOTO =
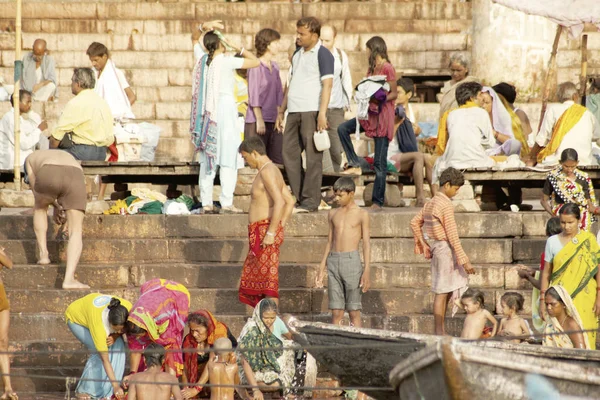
x=86, y=152
x=345, y=132
x=98, y=385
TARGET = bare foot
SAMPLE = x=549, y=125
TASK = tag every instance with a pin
x=9, y=395
x=420, y=202
x=43, y=259
x=376, y=208
x=75, y=284
x=352, y=171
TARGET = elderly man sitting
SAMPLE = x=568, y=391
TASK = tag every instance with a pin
x=39, y=74
x=85, y=128
x=566, y=125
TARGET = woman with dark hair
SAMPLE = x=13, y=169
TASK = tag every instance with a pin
x=265, y=95
x=567, y=184
x=204, y=331
x=379, y=122
x=562, y=316
x=571, y=261
x=213, y=123
x=98, y=322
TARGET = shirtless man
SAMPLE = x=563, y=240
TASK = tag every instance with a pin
x=56, y=179
x=271, y=205
x=347, y=279
x=222, y=370
x=145, y=385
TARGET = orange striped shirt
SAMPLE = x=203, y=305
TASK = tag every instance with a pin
x=437, y=219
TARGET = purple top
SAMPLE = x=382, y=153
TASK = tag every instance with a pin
x=264, y=91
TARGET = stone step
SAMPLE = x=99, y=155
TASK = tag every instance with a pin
x=392, y=223
x=36, y=380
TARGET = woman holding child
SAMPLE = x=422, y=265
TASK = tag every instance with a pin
x=571, y=261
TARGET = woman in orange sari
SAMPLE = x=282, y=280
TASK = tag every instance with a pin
x=571, y=261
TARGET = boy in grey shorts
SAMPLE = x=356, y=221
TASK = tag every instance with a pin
x=347, y=280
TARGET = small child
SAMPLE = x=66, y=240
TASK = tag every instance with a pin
x=472, y=302
x=513, y=324
x=222, y=370
x=347, y=279
x=143, y=385
x=449, y=263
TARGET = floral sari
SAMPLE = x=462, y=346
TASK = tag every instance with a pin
x=161, y=310
x=553, y=327
x=568, y=191
x=574, y=268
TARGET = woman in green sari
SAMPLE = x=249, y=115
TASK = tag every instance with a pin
x=571, y=261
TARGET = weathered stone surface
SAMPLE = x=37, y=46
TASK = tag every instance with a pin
x=174, y=111
x=528, y=249
x=534, y=224
x=174, y=149
x=13, y=198
x=48, y=354
x=461, y=206
x=132, y=10
x=51, y=276
x=393, y=196
x=38, y=326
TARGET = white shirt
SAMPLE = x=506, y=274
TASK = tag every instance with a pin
x=198, y=52
x=341, y=91
x=30, y=136
x=579, y=138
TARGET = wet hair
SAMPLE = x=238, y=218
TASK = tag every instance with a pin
x=223, y=345
x=475, y=295
x=267, y=305
x=84, y=77
x=344, y=184
x=569, y=155
x=466, y=91
x=133, y=329
x=566, y=91
x=97, y=50
x=506, y=90
x=211, y=44
x=117, y=313
x=198, y=319
x=154, y=354
x=22, y=94
x=407, y=84
x=571, y=209
x=253, y=143
x=452, y=176
x=513, y=300
x=552, y=292
x=263, y=39
x=311, y=23
x=458, y=58
x=378, y=47
x=553, y=226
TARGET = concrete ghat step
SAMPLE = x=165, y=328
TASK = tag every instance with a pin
x=106, y=277
x=43, y=379
x=392, y=223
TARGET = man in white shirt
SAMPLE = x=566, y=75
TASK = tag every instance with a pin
x=39, y=73
x=566, y=125
x=31, y=131
x=341, y=93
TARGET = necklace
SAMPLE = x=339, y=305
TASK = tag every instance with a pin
x=562, y=324
x=260, y=169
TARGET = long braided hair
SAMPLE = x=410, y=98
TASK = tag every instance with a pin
x=378, y=47
x=211, y=43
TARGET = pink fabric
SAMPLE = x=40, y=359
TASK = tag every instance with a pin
x=382, y=125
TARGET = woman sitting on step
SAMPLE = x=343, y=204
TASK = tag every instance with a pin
x=98, y=322
x=562, y=316
x=159, y=316
x=204, y=331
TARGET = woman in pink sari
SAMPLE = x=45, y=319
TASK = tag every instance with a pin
x=159, y=316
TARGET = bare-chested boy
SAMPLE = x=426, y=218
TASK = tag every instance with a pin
x=5, y=261
x=271, y=205
x=222, y=370
x=347, y=279
x=145, y=385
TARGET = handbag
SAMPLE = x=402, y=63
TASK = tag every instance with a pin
x=321, y=139
x=67, y=141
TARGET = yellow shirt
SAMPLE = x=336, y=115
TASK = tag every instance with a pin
x=91, y=312
x=88, y=116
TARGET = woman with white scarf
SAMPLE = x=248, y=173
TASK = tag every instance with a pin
x=506, y=142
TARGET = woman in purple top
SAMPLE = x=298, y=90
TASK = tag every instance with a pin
x=265, y=95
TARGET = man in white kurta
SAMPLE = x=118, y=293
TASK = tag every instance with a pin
x=31, y=132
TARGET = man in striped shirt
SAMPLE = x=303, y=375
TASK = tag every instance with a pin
x=449, y=262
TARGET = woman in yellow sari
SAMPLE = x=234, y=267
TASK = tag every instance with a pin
x=571, y=261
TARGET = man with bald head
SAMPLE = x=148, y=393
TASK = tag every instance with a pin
x=39, y=73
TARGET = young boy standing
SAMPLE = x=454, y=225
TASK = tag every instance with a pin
x=347, y=279
x=449, y=263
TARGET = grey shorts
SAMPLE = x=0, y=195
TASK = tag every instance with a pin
x=344, y=271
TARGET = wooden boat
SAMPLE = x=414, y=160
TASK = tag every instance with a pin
x=456, y=370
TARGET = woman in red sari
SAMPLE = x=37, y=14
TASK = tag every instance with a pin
x=159, y=316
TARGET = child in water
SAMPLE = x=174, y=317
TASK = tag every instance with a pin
x=472, y=301
x=513, y=324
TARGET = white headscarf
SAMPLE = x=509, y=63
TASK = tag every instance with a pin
x=501, y=120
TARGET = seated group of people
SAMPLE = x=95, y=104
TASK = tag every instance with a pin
x=208, y=356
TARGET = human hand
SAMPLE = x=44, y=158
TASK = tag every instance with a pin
x=365, y=281
x=8, y=262
x=530, y=163
x=118, y=392
x=469, y=268
x=125, y=381
x=279, y=123
x=212, y=25
x=596, y=308
x=268, y=240
x=320, y=276
x=426, y=251
x=257, y=394
x=43, y=126
x=260, y=127
x=524, y=273
x=189, y=393
x=322, y=122
x=110, y=341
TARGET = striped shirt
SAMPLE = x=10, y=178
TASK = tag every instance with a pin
x=437, y=219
